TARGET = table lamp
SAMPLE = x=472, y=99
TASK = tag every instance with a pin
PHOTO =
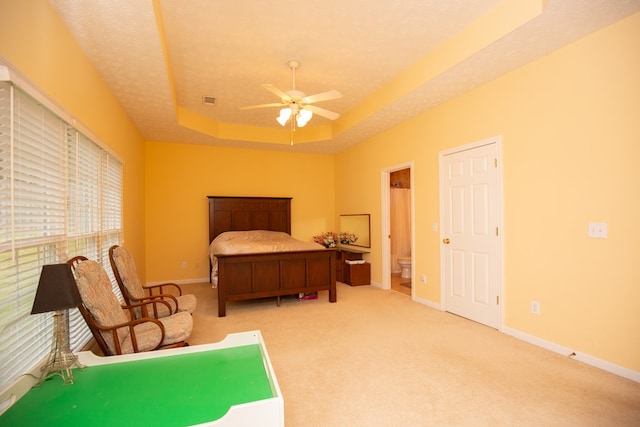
x=57, y=291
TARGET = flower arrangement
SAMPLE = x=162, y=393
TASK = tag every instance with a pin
x=348, y=238
x=328, y=239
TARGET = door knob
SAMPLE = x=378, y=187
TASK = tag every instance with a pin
x=446, y=241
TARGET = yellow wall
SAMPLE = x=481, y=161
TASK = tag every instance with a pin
x=35, y=40
x=569, y=123
x=180, y=177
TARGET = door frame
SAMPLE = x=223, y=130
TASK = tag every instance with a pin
x=385, y=223
x=497, y=140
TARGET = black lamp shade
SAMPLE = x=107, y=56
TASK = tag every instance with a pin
x=57, y=289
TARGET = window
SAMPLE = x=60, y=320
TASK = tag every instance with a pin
x=60, y=196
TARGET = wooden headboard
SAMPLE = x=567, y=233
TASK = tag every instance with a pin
x=248, y=213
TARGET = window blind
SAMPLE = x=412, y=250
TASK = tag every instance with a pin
x=83, y=214
x=60, y=196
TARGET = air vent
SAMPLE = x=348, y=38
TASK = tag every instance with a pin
x=209, y=100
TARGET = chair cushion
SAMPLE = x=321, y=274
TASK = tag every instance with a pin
x=186, y=303
x=177, y=328
x=98, y=298
x=127, y=269
x=148, y=336
x=128, y=273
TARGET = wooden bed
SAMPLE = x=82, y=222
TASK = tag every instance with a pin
x=275, y=274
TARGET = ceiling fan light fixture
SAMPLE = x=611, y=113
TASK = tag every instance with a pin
x=306, y=115
x=295, y=103
x=284, y=116
x=303, y=117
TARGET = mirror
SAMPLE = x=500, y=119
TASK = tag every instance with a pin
x=359, y=225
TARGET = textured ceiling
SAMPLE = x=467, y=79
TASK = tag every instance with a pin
x=161, y=57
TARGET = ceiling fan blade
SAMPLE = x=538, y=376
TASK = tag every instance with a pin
x=322, y=112
x=275, y=104
x=282, y=95
x=324, y=96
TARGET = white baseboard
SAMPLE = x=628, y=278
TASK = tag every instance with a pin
x=180, y=282
x=427, y=302
x=574, y=354
x=531, y=339
x=419, y=300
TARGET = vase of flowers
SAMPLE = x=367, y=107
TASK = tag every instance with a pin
x=348, y=238
x=328, y=239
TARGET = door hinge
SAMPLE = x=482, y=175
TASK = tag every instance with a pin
x=495, y=162
x=497, y=299
x=497, y=233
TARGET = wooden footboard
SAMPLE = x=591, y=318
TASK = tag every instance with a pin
x=250, y=276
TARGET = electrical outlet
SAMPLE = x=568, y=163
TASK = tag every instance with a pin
x=423, y=278
x=535, y=307
x=184, y=264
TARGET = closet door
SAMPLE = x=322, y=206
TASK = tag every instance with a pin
x=470, y=234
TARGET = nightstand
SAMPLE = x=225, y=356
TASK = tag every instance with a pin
x=357, y=274
x=343, y=254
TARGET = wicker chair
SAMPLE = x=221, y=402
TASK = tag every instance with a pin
x=114, y=330
x=124, y=270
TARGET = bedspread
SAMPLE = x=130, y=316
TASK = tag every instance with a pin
x=254, y=242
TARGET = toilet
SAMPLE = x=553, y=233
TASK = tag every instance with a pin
x=405, y=264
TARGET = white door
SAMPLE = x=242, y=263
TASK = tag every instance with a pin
x=470, y=209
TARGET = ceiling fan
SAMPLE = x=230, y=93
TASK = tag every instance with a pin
x=296, y=105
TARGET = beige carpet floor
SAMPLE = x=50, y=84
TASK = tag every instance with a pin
x=375, y=358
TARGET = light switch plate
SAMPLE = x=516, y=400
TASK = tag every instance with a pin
x=597, y=230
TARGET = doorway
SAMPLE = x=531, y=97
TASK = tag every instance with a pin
x=471, y=246
x=397, y=223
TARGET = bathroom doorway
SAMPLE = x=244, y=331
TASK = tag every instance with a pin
x=397, y=192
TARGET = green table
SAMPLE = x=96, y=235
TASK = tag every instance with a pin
x=181, y=387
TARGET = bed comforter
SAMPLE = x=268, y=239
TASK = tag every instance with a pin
x=254, y=242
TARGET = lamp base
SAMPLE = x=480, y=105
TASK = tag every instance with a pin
x=61, y=359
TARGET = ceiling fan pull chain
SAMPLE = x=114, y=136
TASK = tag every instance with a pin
x=293, y=129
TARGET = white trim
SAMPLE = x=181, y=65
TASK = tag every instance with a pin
x=385, y=183
x=4, y=73
x=531, y=339
x=204, y=280
x=10, y=73
x=427, y=302
x=385, y=246
x=376, y=285
x=581, y=357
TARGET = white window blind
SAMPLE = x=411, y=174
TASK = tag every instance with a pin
x=111, y=214
x=52, y=198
